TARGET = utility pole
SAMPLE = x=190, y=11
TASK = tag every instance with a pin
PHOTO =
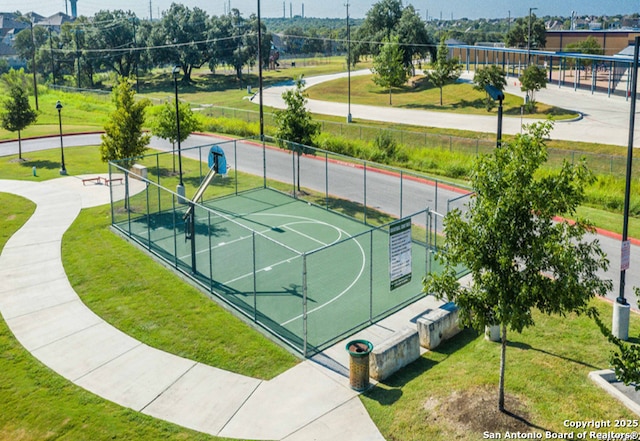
x=348, y=65
x=33, y=62
x=529, y=38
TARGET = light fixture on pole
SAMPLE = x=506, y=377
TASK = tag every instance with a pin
x=63, y=169
x=529, y=38
x=349, y=119
x=497, y=94
x=180, y=187
x=621, y=308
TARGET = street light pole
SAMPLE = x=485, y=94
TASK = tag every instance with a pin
x=497, y=94
x=180, y=187
x=621, y=307
x=63, y=169
x=529, y=38
x=349, y=119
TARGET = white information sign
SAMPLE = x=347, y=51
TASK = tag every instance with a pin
x=625, y=258
x=400, y=253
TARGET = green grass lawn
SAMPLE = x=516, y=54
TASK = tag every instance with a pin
x=38, y=404
x=457, y=98
x=546, y=370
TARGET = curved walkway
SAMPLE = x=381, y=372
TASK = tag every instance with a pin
x=45, y=314
x=605, y=119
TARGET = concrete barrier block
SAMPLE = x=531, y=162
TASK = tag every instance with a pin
x=394, y=353
x=437, y=325
x=139, y=171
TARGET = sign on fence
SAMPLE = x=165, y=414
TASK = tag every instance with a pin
x=400, y=253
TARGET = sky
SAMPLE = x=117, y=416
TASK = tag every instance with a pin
x=446, y=9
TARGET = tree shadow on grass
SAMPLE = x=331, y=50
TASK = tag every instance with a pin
x=388, y=396
x=50, y=165
x=527, y=347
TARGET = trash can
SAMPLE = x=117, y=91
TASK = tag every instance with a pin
x=359, y=351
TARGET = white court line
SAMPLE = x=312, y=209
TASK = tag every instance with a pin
x=315, y=221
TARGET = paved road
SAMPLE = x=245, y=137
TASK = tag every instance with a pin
x=606, y=119
x=383, y=189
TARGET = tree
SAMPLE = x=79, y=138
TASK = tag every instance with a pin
x=533, y=79
x=387, y=20
x=489, y=76
x=183, y=32
x=164, y=124
x=117, y=29
x=388, y=70
x=519, y=33
x=588, y=46
x=123, y=138
x=17, y=114
x=294, y=124
x=444, y=70
x=519, y=257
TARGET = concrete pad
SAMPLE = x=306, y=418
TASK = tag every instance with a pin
x=45, y=326
x=350, y=422
x=93, y=194
x=137, y=377
x=287, y=403
x=34, y=297
x=204, y=399
x=608, y=381
x=83, y=352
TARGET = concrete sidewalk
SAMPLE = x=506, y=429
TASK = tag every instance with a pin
x=310, y=401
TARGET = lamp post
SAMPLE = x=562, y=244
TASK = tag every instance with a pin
x=180, y=187
x=497, y=94
x=529, y=38
x=349, y=119
x=63, y=169
x=621, y=308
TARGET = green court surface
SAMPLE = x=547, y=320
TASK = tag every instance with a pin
x=309, y=275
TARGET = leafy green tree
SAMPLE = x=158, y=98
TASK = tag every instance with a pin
x=4, y=66
x=388, y=70
x=489, y=76
x=164, y=126
x=183, y=33
x=587, y=46
x=444, y=70
x=295, y=127
x=235, y=41
x=116, y=29
x=533, y=79
x=387, y=20
x=519, y=257
x=123, y=138
x=17, y=114
x=519, y=33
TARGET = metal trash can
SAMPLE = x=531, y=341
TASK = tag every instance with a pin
x=359, y=351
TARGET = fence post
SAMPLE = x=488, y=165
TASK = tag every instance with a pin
x=401, y=189
x=210, y=252
x=255, y=282
x=371, y=276
x=304, y=303
x=326, y=179
x=235, y=163
x=365, y=191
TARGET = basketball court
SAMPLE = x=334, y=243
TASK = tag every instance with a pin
x=307, y=274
